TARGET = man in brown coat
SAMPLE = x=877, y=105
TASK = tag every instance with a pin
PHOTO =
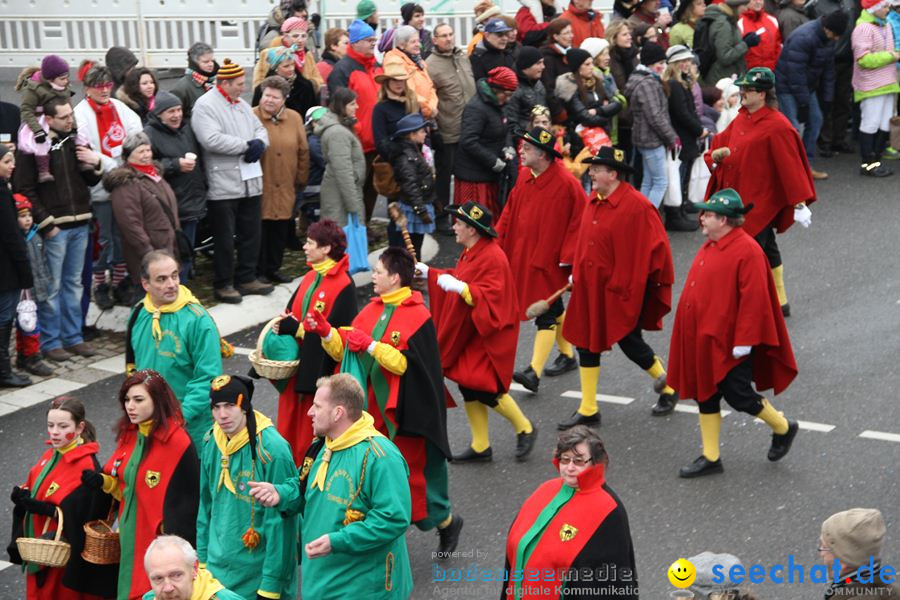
x=451, y=74
x=285, y=173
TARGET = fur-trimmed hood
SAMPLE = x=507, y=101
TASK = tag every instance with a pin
x=121, y=95
x=125, y=175
x=566, y=87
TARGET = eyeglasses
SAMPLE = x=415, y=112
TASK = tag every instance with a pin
x=103, y=86
x=578, y=460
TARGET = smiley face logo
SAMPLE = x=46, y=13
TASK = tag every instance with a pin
x=682, y=573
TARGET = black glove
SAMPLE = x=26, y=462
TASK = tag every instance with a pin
x=422, y=213
x=288, y=326
x=36, y=507
x=610, y=110
x=803, y=113
x=751, y=39
x=40, y=137
x=252, y=374
x=92, y=479
x=255, y=149
x=18, y=494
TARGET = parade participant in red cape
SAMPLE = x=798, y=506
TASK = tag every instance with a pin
x=154, y=473
x=55, y=483
x=392, y=349
x=571, y=525
x=762, y=157
x=729, y=333
x=537, y=232
x=328, y=288
x=621, y=283
x=477, y=322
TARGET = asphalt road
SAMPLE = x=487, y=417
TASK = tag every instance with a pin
x=843, y=281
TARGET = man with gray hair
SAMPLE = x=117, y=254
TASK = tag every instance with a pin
x=199, y=76
x=850, y=546
x=174, y=573
x=357, y=508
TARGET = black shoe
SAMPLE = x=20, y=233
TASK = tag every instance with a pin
x=786, y=309
x=102, y=298
x=782, y=443
x=470, y=456
x=825, y=152
x=527, y=379
x=277, y=277
x=525, y=443
x=843, y=148
x=678, y=221
x=34, y=365
x=123, y=294
x=875, y=169
x=665, y=405
x=449, y=537
x=562, y=364
x=700, y=467
x=579, y=419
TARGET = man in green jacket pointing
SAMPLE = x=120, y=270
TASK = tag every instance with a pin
x=353, y=533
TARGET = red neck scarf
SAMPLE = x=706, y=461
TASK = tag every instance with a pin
x=109, y=126
x=368, y=62
x=299, y=53
x=226, y=96
x=147, y=170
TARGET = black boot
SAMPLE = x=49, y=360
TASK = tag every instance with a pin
x=525, y=443
x=102, y=298
x=469, y=455
x=7, y=377
x=579, y=419
x=677, y=221
x=449, y=537
x=782, y=443
x=871, y=166
x=665, y=405
x=700, y=467
x=562, y=364
x=527, y=379
x=688, y=207
x=34, y=365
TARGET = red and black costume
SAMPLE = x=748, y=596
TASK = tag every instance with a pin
x=333, y=294
x=55, y=481
x=563, y=532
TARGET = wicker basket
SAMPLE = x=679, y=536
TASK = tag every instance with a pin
x=47, y=553
x=101, y=543
x=271, y=369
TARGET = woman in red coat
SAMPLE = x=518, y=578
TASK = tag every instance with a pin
x=154, y=473
x=571, y=525
x=328, y=288
x=55, y=483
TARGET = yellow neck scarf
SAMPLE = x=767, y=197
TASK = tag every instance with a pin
x=184, y=298
x=227, y=447
x=145, y=427
x=71, y=445
x=323, y=267
x=362, y=429
x=397, y=296
x=205, y=586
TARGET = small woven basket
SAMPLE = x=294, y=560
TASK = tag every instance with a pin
x=267, y=368
x=101, y=543
x=47, y=553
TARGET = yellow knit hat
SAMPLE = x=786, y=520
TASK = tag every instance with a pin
x=229, y=70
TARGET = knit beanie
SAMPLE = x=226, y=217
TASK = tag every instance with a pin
x=855, y=535
x=229, y=70
x=294, y=23
x=360, y=30
x=502, y=78
x=164, y=101
x=120, y=60
x=53, y=66
x=873, y=5
x=528, y=56
x=22, y=202
x=408, y=10
x=133, y=142
x=836, y=22
x=594, y=45
x=703, y=563
x=232, y=389
x=576, y=57
x=365, y=9
x=652, y=53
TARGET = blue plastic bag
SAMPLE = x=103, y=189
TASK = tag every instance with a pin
x=357, y=244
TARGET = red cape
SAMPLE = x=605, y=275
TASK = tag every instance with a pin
x=537, y=231
x=623, y=271
x=767, y=167
x=729, y=300
x=478, y=343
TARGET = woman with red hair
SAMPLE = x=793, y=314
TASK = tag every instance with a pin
x=327, y=291
x=154, y=473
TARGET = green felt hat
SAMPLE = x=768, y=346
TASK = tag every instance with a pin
x=474, y=214
x=725, y=202
x=759, y=78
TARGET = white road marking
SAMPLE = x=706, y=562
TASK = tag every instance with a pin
x=690, y=408
x=809, y=426
x=5, y=565
x=244, y=351
x=601, y=398
x=880, y=435
x=517, y=387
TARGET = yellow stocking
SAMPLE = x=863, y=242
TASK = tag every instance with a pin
x=778, y=275
x=589, y=377
x=773, y=418
x=710, y=426
x=656, y=371
x=543, y=344
x=565, y=348
x=510, y=411
x=478, y=423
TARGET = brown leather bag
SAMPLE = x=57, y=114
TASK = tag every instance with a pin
x=383, y=178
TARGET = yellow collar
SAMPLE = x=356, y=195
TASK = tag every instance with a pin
x=323, y=267
x=71, y=445
x=227, y=447
x=362, y=429
x=184, y=298
x=397, y=296
x=205, y=586
x=146, y=427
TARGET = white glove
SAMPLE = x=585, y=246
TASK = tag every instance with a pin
x=570, y=279
x=509, y=153
x=741, y=351
x=421, y=269
x=498, y=166
x=449, y=283
x=803, y=215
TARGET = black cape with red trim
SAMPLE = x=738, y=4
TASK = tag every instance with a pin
x=478, y=343
x=598, y=539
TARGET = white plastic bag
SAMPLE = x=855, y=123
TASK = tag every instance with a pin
x=699, y=179
x=673, y=174
x=26, y=312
